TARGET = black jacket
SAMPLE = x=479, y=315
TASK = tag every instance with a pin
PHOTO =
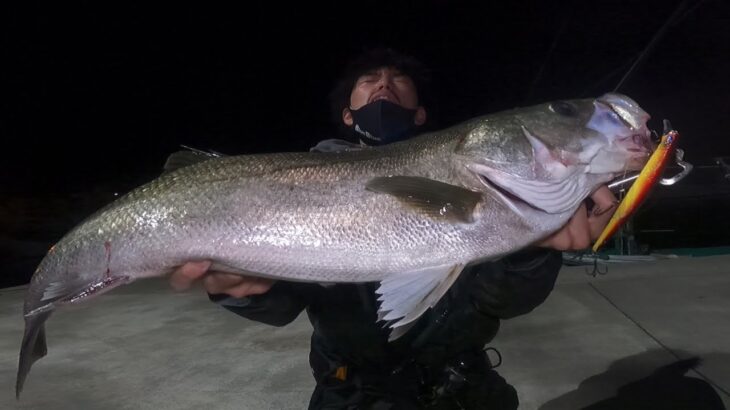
x=344, y=316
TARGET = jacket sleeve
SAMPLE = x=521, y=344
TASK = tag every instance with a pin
x=516, y=284
x=277, y=307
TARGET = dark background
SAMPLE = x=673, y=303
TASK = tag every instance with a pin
x=94, y=97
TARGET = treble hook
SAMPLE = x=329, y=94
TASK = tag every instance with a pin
x=618, y=184
x=596, y=270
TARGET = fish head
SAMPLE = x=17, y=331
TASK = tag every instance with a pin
x=550, y=141
x=603, y=136
x=623, y=125
x=559, y=149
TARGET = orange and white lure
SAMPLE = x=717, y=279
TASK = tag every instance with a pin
x=649, y=176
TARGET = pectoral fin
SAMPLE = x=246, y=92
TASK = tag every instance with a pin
x=437, y=199
x=406, y=296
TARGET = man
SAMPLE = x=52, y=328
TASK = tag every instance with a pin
x=440, y=363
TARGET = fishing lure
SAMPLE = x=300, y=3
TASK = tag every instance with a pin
x=649, y=176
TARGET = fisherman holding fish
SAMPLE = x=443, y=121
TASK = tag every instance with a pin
x=440, y=362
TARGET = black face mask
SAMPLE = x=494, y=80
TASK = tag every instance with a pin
x=382, y=122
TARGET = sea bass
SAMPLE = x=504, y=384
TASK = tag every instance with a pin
x=409, y=215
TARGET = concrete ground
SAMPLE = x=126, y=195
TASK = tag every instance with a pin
x=595, y=341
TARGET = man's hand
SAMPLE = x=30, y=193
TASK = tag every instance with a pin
x=238, y=286
x=584, y=227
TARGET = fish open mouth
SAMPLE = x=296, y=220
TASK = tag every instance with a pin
x=639, y=147
x=638, y=143
x=619, y=116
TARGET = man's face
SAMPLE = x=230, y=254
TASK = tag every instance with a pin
x=384, y=83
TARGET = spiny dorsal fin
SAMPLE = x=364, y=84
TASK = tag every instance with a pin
x=191, y=156
x=437, y=199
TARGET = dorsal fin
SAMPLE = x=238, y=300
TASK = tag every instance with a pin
x=191, y=156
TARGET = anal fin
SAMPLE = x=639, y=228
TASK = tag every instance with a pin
x=406, y=296
x=69, y=291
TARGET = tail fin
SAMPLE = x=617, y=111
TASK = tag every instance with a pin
x=33, y=346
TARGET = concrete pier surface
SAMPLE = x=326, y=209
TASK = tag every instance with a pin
x=595, y=341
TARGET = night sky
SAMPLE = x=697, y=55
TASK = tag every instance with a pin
x=94, y=97
x=100, y=94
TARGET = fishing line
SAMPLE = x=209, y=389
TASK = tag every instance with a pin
x=675, y=16
x=588, y=91
x=567, y=17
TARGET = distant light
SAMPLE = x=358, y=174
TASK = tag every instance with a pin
x=116, y=194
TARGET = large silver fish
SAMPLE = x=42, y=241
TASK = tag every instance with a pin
x=410, y=215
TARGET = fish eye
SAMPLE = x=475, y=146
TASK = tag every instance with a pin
x=564, y=108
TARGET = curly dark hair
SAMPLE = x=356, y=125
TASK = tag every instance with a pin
x=371, y=59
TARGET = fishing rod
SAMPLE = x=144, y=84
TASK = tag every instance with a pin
x=654, y=40
x=618, y=186
x=673, y=18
